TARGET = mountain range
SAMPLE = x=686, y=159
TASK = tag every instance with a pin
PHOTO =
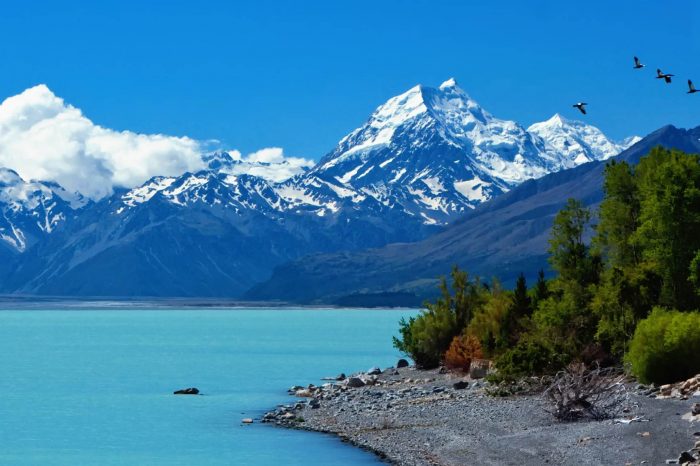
x=503, y=238
x=421, y=162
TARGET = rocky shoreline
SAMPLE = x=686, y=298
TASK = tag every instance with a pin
x=414, y=417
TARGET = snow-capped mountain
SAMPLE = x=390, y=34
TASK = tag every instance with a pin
x=435, y=152
x=422, y=159
x=31, y=209
x=576, y=142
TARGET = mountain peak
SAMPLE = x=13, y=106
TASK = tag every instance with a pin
x=450, y=83
x=557, y=119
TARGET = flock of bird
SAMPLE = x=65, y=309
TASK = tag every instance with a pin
x=659, y=75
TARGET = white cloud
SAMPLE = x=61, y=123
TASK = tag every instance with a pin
x=269, y=163
x=43, y=138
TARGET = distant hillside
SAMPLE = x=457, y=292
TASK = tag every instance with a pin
x=501, y=237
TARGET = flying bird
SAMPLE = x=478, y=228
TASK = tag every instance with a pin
x=637, y=65
x=581, y=106
x=691, y=87
x=665, y=76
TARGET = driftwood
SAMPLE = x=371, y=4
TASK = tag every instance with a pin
x=582, y=393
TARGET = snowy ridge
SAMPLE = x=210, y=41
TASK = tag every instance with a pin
x=429, y=153
x=575, y=142
x=29, y=210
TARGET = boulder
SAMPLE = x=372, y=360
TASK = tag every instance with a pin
x=374, y=371
x=686, y=457
x=354, y=382
x=340, y=377
x=370, y=380
x=187, y=391
x=401, y=363
x=479, y=368
x=303, y=393
x=461, y=385
x=696, y=409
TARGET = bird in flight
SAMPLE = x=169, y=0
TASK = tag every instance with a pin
x=691, y=87
x=665, y=76
x=637, y=65
x=581, y=106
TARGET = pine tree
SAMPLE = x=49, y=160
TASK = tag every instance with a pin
x=541, y=291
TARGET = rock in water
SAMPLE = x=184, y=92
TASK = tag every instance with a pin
x=340, y=377
x=401, y=363
x=187, y=391
x=374, y=371
x=247, y=420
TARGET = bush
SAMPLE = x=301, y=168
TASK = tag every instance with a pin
x=462, y=350
x=425, y=338
x=665, y=347
x=529, y=357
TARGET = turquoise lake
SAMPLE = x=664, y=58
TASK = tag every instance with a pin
x=94, y=387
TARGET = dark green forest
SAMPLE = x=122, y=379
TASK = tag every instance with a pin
x=625, y=292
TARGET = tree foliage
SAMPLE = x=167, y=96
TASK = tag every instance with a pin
x=666, y=346
x=425, y=338
x=643, y=254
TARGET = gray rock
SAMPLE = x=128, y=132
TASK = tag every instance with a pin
x=355, y=382
x=374, y=371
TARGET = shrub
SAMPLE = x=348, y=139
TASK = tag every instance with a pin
x=462, y=350
x=665, y=347
x=487, y=325
x=425, y=338
x=529, y=357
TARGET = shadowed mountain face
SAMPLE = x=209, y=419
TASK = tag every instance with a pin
x=502, y=237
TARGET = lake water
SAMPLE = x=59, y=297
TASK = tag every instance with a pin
x=82, y=387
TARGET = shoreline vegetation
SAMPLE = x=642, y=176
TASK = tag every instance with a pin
x=573, y=366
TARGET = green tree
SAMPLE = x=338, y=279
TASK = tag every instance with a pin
x=669, y=231
x=490, y=319
x=619, y=217
x=569, y=254
x=425, y=338
x=519, y=310
x=541, y=290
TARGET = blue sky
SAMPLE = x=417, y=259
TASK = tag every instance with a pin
x=300, y=75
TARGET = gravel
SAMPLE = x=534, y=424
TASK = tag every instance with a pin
x=414, y=417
